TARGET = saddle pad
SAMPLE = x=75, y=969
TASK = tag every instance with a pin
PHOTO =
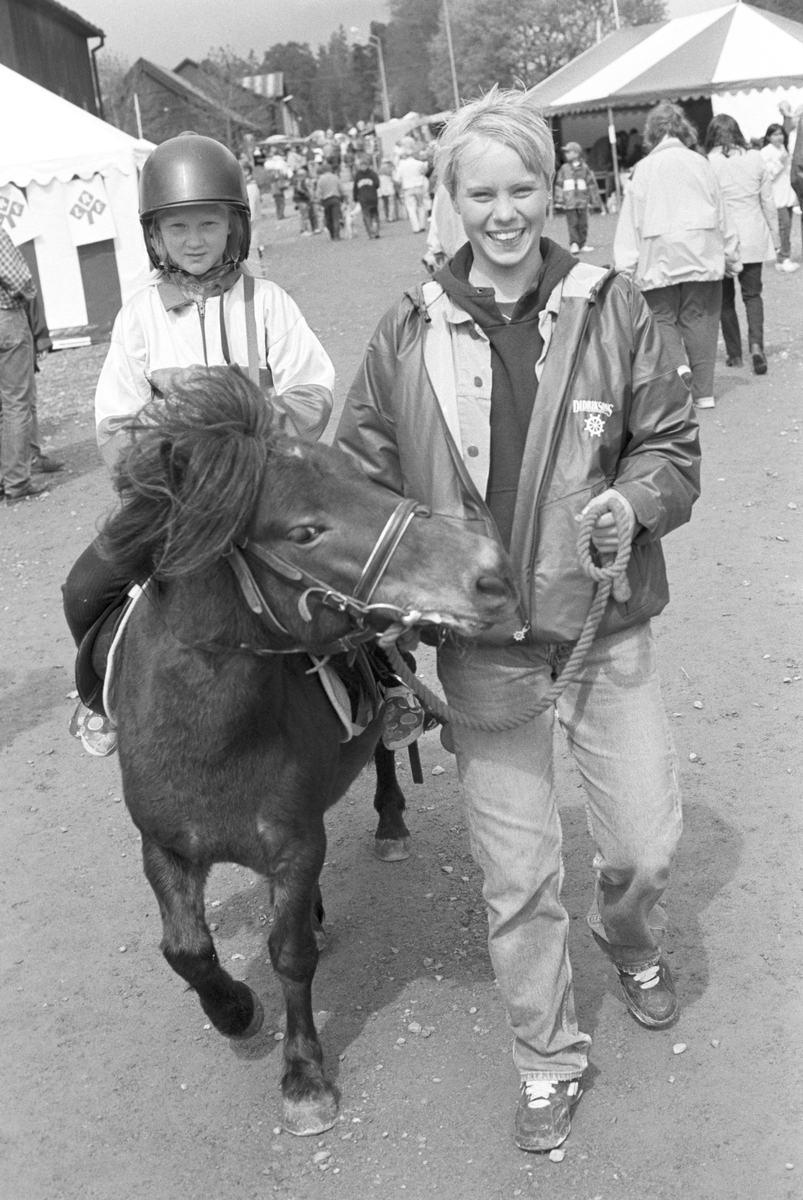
x=338, y=697
x=110, y=680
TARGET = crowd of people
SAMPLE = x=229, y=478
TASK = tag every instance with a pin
x=697, y=215
x=480, y=394
x=338, y=180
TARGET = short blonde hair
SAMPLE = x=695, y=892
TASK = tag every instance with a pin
x=506, y=115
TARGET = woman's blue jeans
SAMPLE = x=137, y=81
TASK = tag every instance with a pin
x=619, y=736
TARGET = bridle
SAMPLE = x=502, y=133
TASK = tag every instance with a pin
x=356, y=604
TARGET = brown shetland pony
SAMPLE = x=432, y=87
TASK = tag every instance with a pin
x=229, y=750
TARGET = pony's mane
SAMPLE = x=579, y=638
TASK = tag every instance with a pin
x=190, y=480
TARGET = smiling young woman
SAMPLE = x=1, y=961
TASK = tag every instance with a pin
x=503, y=205
x=518, y=390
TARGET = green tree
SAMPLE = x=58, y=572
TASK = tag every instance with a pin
x=117, y=91
x=509, y=41
x=406, y=44
x=341, y=98
x=299, y=66
x=793, y=9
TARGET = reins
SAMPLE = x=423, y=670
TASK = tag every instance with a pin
x=610, y=576
x=357, y=605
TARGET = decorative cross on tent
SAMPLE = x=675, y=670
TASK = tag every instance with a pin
x=88, y=206
x=10, y=211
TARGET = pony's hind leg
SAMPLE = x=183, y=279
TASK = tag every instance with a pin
x=232, y=1007
x=392, y=837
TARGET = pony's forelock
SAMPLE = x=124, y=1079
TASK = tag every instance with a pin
x=191, y=479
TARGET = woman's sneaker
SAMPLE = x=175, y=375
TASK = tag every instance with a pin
x=97, y=734
x=650, y=995
x=544, y=1113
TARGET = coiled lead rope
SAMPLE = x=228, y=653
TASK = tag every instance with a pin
x=609, y=576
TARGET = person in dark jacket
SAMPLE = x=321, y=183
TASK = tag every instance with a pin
x=366, y=193
x=521, y=390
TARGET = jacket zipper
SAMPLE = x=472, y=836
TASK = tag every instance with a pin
x=201, y=307
x=553, y=450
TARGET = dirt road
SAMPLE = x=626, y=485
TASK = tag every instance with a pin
x=114, y=1087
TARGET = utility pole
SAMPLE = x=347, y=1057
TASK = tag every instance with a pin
x=377, y=41
x=448, y=25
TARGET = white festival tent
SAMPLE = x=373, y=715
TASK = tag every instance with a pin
x=68, y=200
x=743, y=60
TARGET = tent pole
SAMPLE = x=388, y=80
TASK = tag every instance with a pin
x=614, y=156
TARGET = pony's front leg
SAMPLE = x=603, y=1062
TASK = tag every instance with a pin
x=309, y=1103
x=232, y=1007
x=392, y=837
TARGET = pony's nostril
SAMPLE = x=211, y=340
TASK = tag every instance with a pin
x=492, y=585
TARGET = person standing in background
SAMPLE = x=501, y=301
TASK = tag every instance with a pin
x=576, y=191
x=17, y=386
x=387, y=191
x=366, y=193
x=329, y=194
x=676, y=241
x=746, y=185
x=41, y=464
x=411, y=175
x=302, y=199
x=775, y=153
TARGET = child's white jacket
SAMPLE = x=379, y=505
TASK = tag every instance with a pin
x=159, y=331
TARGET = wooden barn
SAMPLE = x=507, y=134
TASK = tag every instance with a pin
x=47, y=43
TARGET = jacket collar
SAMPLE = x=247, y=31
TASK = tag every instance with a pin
x=582, y=283
x=172, y=296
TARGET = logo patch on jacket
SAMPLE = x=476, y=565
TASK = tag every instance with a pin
x=594, y=425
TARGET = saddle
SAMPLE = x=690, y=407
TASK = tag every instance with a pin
x=96, y=652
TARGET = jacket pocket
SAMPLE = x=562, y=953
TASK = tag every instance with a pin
x=560, y=593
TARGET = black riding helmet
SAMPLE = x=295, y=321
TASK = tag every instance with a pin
x=193, y=169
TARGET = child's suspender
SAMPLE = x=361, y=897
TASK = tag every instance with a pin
x=250, y=332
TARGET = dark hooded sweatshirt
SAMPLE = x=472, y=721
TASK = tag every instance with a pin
x=516, y=346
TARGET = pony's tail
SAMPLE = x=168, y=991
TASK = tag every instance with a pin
x=190, y=481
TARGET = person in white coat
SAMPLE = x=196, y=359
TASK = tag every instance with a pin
x=747, y=187
x=676, y=241
x=775, y=153
x=411, y=175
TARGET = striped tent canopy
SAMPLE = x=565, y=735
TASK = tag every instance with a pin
x=733, y=48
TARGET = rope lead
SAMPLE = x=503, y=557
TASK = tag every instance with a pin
x=609, y=576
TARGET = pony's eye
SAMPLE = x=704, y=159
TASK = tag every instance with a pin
x=302, y=535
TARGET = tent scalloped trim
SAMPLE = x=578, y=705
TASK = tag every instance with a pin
x=80, y=167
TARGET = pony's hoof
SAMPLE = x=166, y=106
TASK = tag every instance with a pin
x=392, y=849
x=305, y=1118
x=255, y=1023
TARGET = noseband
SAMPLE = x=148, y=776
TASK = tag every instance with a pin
x=356, y=605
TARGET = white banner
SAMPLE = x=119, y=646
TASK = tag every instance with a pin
x=15, y=215
x=89, y=213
